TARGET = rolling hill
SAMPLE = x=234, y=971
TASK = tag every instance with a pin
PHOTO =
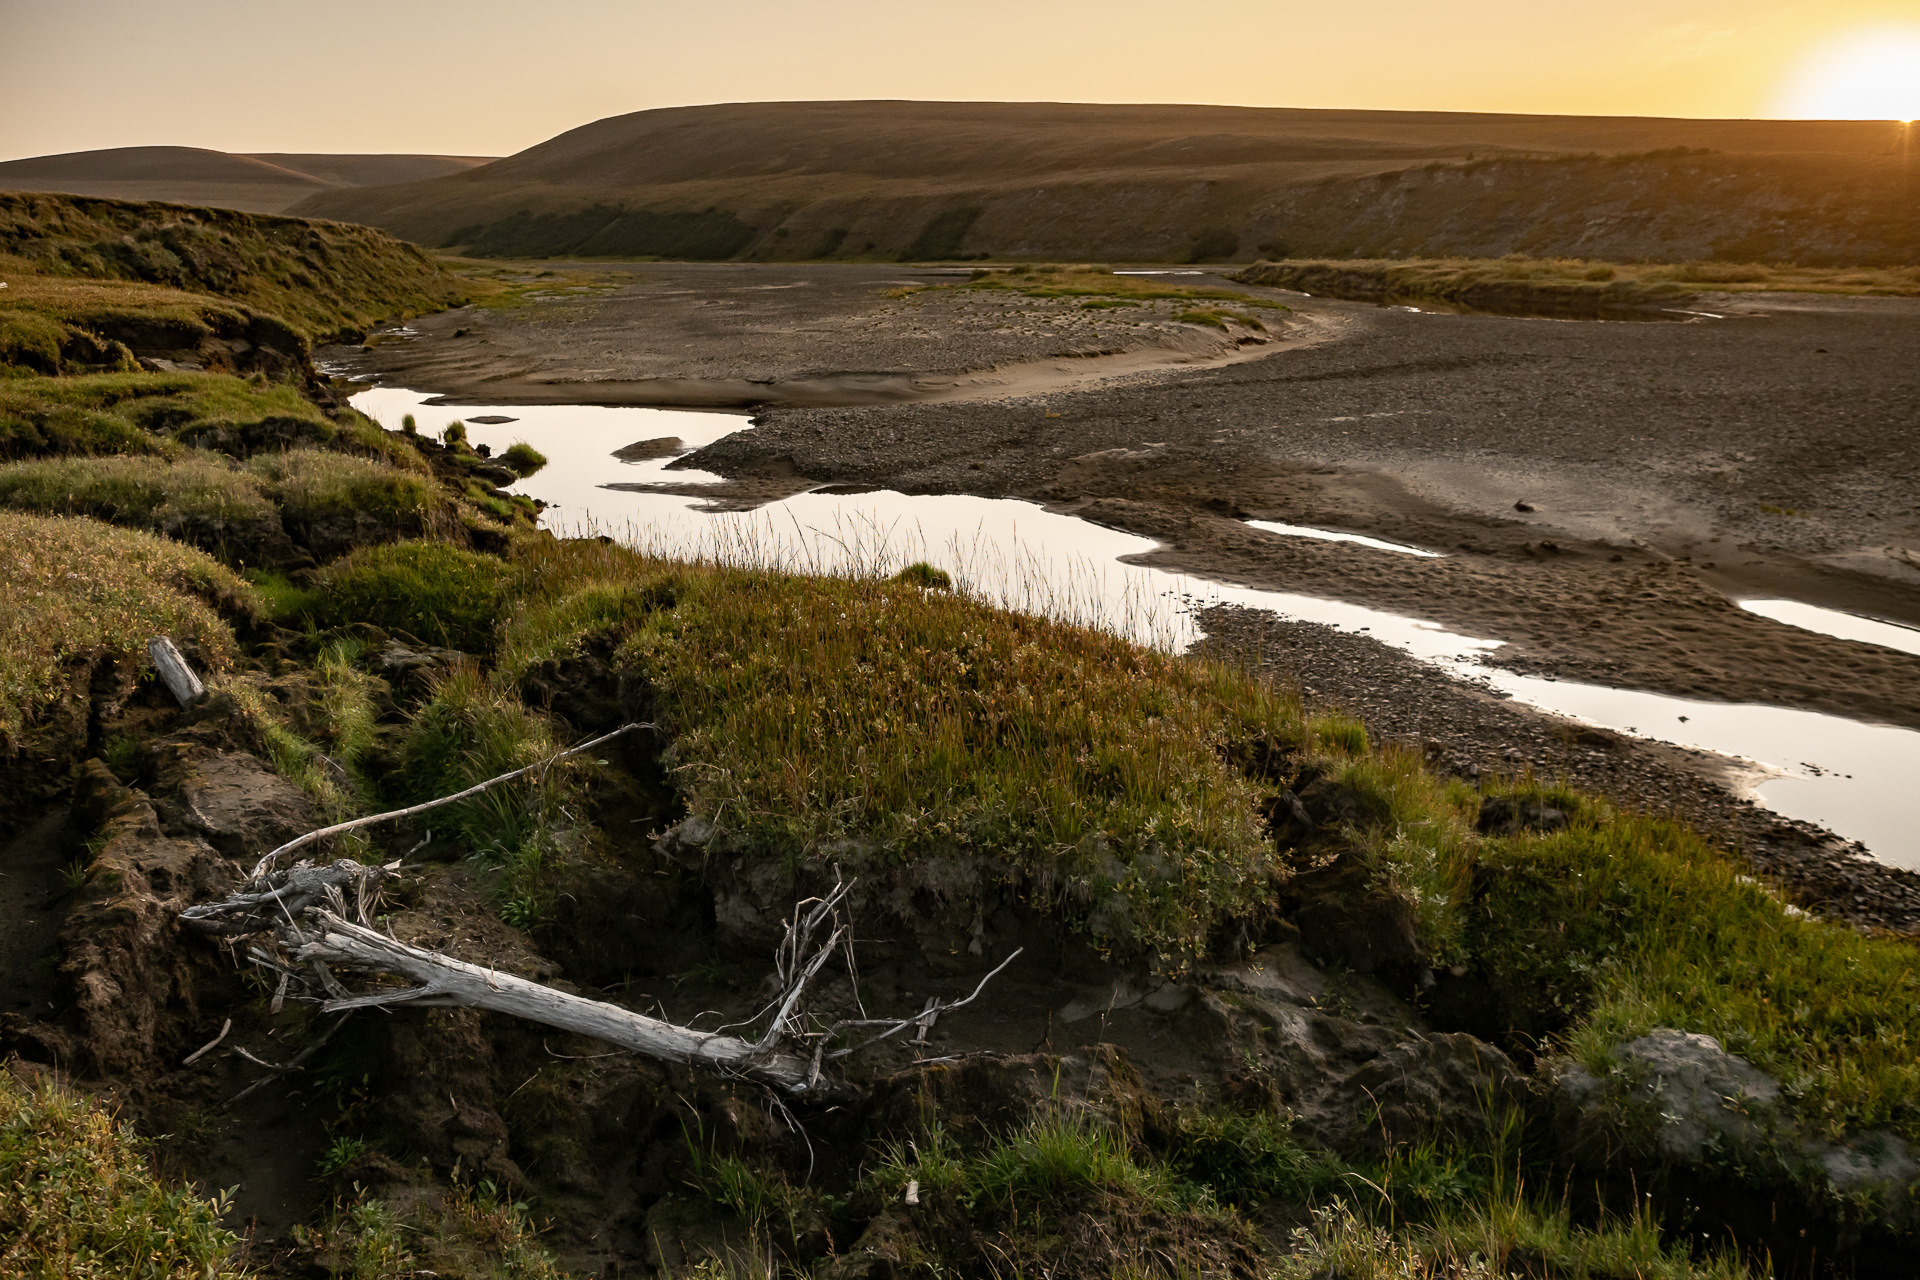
x=263, y=183
x=1155, y=183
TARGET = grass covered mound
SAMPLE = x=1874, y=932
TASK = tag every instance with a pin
x=322, y=278
x=1560, y=285
x=79, y=591
x=888, y=722
x=240, y=512
x=58, y=325
x=159, y=414
x=77, y=1198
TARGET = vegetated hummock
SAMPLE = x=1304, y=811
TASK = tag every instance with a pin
x=267, y=182
x=929, y=180
x=318, y=279
x=1530, y=286
x=1292, y=1005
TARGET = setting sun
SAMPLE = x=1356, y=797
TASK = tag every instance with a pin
x=1871, y=74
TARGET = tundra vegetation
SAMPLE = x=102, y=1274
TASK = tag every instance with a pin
x=379, y=625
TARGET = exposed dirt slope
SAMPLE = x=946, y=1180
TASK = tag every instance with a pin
x=1154, y=183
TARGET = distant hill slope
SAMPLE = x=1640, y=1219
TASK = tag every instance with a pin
x=263, y=183
x=1154, y=183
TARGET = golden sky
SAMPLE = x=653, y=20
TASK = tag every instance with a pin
x=489, y=77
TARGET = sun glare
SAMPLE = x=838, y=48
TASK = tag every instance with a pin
x=1871, y=74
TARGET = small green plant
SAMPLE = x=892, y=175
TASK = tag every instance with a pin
x=1243, y=1159
x=409, y=426
x=523, y=459
x=456, y=434
x=340, y=1153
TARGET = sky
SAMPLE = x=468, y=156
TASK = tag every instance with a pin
x=490, y=77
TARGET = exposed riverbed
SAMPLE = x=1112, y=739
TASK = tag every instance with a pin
x=1845, y=775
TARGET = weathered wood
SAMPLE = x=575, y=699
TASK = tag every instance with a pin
x=179, y=678
x=445, y=981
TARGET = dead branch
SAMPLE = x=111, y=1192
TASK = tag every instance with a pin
x=286, y=895
x=442, y=981
x=320, y=919
x=266, y=864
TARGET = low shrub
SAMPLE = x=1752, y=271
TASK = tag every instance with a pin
x=77, y=1198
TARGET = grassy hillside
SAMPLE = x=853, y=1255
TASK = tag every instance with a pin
x=1138, y=183
x=318, y=278
x=261, y=183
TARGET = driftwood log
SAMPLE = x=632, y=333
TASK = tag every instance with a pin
x=175, y=672
x=443, y=981
x=311, y=919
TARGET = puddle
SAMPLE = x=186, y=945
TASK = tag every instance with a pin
x=1330, y=535
x=1853, y=778
x=1833, y=622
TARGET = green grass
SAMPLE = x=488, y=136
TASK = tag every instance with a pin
x=79, y=591
x=441, y=594
x=472, y=1230
x=1512, y=1235
x=523, y=459
x=54, y=325
x=308, y=485
x=229, y=510
x=77, y=1198
x=1570, y=284
x=811, y=711
x=1096, y=283
x=194, y=498
x=159, y=414
x=1636, y=923
x=320, y=278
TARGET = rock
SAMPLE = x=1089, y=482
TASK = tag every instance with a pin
x=1685, y=1096
x=641, y=450
x=1523, y=507
x=1343, y=916
x=1421, y=1088
x=229, y=798
x=1509, y=816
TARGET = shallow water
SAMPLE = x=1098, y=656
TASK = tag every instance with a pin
x=1330, y=535
x=1833, y=622
x=1853, y=778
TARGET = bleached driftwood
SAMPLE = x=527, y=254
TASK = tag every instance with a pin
x=306, y=911
x=444, y=981
x=175, y=672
